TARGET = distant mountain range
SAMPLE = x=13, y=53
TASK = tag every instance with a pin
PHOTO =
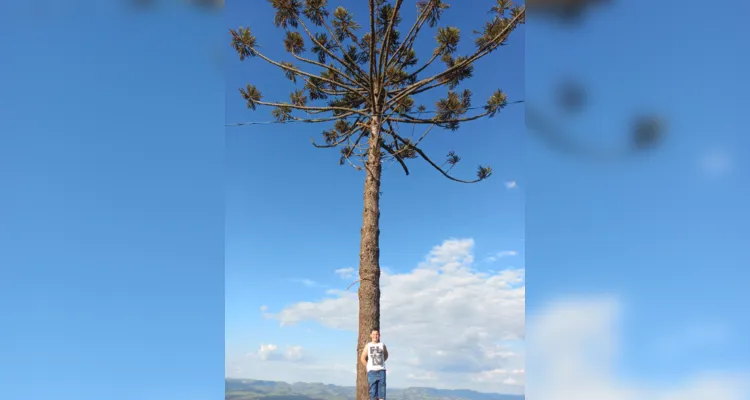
x=250, y=389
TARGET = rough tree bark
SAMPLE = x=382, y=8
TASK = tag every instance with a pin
x=369, y=254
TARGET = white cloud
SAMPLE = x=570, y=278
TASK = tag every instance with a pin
x=263, y=308
x=575, y=342
x=267, y=351
x=511, y=184
x=575, y=351
x=345, y=273
x=293, y=353
x=308, y=282
x=502, y=254
x=270, y=352
x=444, y=319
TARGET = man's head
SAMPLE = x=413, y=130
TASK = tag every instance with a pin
x=375, y=335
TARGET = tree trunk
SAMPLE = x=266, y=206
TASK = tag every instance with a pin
x=369, y=254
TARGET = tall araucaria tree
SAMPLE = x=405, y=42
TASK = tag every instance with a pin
x=364, y=81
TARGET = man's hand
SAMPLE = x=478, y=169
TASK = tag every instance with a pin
x=363, y=357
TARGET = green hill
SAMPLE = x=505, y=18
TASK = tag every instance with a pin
x=251, y=389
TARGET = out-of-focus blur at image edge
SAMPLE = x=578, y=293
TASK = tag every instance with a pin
x=111, y=214
x=636, y=230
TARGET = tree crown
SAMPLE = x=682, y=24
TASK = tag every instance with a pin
x=358, y=77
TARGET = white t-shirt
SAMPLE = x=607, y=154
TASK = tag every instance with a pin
x=375, y=356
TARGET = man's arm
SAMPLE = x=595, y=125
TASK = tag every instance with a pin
x=385, y=350
x=363, y=356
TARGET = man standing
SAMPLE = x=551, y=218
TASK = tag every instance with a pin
x=373, y=358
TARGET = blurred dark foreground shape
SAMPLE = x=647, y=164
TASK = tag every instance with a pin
x=565, y=10
x=645, y=132
x=206, y=5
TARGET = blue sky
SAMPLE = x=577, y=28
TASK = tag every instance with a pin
x=112, y=204
x=294, y=214
x=115, y=158
x=664, y=233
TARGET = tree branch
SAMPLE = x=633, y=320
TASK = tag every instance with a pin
x=309, y=75
x=424, y=134
x=353, y=146
x=423, y=89
x=417, y=72
x=328, y=91
x=373, y=39
x=396, y=157
x=356, y=70
x=352, y=284
x=344, y=137
x=341, y=46
x=412, y=120
x=296, y=119
x=330, y=68
x=408, y=39
x=316, y=120
x=361, y=135
x=387, y=39
x=483, y=51
x=429, y=161
x=311, y=109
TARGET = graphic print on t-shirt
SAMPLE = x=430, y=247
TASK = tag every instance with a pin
x=376, y=355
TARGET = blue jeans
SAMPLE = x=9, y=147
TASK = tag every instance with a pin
x=376, y=382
